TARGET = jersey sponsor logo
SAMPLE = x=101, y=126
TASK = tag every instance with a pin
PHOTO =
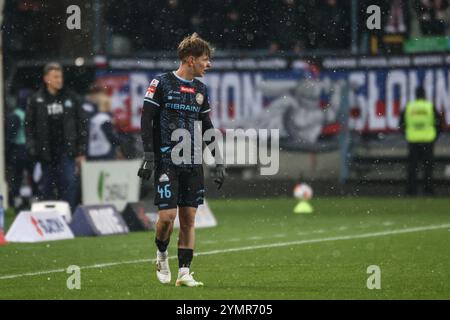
x=173, y=95
x=187, y=89
x=180, y=106
x=199, y=98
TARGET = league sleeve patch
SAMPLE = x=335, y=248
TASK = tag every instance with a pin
x=152, y=89
x=199, y=98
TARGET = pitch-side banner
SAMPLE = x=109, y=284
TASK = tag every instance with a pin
x=204, y=218
x=302, y=100
x=38, y=226
x=97, y=220
x=110, y=182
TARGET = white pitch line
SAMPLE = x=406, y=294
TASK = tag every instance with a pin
x=279, y=235
x=209, y=241
x=263, y=246
x=350, y=237
x=31, y=274
x=255, y=238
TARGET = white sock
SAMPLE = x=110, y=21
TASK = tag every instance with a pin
x=162, y=253
x=183, y=270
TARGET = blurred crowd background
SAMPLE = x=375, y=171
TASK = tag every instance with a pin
x=32, y=27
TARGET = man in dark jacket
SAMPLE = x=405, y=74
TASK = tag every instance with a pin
x=56, y=135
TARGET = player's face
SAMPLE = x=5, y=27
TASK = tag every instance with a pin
x=54, y=79
x=201, y=65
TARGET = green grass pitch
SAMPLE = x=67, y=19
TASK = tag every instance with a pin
x=260, y=250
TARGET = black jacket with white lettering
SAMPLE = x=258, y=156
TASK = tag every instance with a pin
x=37, y=125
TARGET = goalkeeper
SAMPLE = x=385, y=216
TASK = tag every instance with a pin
x=175, y=100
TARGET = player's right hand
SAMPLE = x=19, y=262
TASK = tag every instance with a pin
x=147, y=166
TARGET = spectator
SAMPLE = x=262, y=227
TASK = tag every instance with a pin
x=171, y=23
x=231, y=35
x=253, y=26
x=234, y=24
x=143, y=35
x=102, y=138
x=333, y=25
x=397, y=21
x=285, y=31
x=431, y=14
x=56, y=135
x=16, y=158
x=210, y=15
x=90, y=106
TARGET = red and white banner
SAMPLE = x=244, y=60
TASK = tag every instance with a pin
x=308, y=103
x=39, y=226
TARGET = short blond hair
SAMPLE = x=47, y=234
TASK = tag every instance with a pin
x=194, y=46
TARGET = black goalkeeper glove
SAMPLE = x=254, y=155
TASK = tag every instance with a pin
x=219, y=175
x=147, y=166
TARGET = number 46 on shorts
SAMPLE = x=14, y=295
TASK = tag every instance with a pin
x=164, y=193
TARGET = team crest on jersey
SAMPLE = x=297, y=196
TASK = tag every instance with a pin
x=164, y=178
x=151, y=89
x=199, y=98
